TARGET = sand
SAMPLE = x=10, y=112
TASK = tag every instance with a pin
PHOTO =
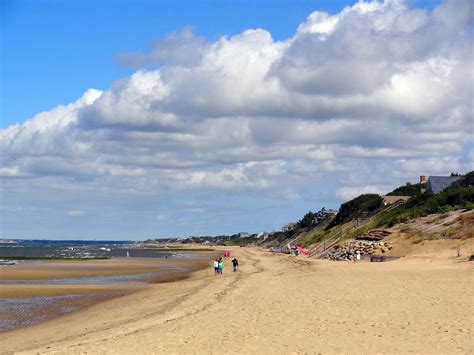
x=27, y=272
x=84, y=268
x=32, y=298
x=279, y=304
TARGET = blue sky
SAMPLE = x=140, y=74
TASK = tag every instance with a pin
x=202, y=125
x=55, y=50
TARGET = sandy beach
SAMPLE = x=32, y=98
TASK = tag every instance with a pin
x=75, y=270
x=279, y=304
x=32, y=292
x=90, y=268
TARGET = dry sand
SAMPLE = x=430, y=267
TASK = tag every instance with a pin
x=277, y=304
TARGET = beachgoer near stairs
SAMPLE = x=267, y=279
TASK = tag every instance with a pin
x=235, y=264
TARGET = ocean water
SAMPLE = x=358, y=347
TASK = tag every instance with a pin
x=21, y=312
x=83, y=249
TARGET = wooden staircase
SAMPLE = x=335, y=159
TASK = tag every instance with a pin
x=332, y=240
x=322, y=248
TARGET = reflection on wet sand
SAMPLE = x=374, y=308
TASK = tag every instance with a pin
x=25, y=311
x=34, y=292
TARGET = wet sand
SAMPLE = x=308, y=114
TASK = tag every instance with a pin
x=277, y=304
x=13, y=291
x=34, y=292
x=86, y=268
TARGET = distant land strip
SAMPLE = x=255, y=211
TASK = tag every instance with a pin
x=51, y=258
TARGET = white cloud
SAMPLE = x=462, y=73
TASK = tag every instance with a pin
x=431, y=166
x=196, y=209
x=290, y=195
x=162, y=217
x=357, y=99
x=346, y=193
x=179, y=48
x=75, y=213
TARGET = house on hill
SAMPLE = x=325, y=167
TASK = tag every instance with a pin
x=289, y=227
x=437, y=184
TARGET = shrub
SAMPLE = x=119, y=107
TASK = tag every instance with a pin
x=406, y=190
x=427, y=203
x=468, y=206
x=355, y=207
x=308, y=220
x=445, y=209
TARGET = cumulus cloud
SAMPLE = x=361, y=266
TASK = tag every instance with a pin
x=75, y=213
x=177, y=48
x=346, y=193
x=358, y=100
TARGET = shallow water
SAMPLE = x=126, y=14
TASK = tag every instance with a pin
x=112, y=279
x=25, y=311
x=22, y=312
x=95, y=280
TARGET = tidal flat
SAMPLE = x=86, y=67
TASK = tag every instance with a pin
x=34, y=292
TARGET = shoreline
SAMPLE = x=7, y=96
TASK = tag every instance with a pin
x=276, y=303
x=33, y=293
x=57, y=269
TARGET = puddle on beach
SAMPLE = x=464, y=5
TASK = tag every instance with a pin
x=95, y=280
x=21, y=312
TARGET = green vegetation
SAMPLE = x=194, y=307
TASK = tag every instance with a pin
x=466, y=181
x=321, y=234
x=356, y=207
x=238, y=241
x=406, y=190
x=308, y=220
x=316, y=237
x=460, y=195
x=360, y=230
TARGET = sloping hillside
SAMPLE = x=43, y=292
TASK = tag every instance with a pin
x=436, y=235
x=445, y=219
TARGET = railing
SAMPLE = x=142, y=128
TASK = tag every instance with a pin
x=332, y=240
x=300, y=235
x=294, y=239
x=323, y=247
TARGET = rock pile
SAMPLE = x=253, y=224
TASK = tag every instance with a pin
x=374, y=234
x=350, y=249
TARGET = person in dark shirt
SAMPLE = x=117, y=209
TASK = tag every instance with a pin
x=235, y=264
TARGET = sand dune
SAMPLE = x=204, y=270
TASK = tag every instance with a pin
x=280, y=304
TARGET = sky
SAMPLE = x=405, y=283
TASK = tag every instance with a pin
x=131, y=120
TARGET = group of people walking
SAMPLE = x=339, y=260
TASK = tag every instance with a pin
x=219, y=265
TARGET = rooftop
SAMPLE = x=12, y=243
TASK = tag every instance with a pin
x=437, y=184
